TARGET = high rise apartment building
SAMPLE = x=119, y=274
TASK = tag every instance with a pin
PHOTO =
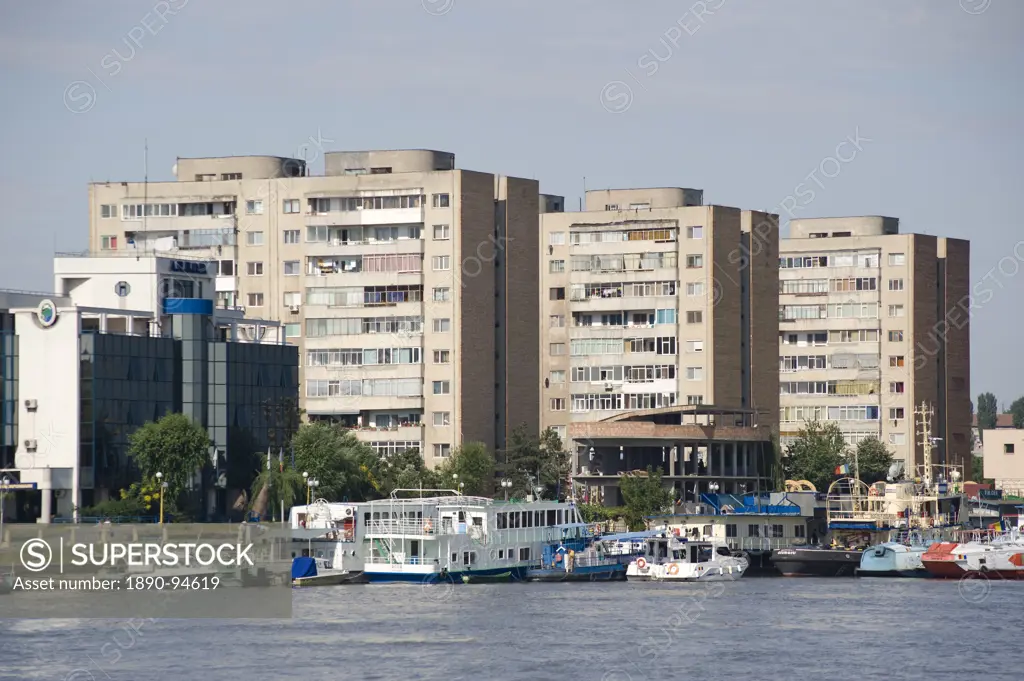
x=395, y=273
x=650, y=299
x=872, y=323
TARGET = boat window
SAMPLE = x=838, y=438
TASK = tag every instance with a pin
x=777, y=531
x=723, y=551
x=704, y=554
x=502, y=521
x=730, y=530
x=501, y=554
x=678, y=555
x=708, y=531
x=753, y=530
x=551, y=517
x=462, y=516
x=560, y=518
x=538, y=518
x=478, y=521
x=693, y=554
x=455, y=558
x=663, y=549
x=524, y=553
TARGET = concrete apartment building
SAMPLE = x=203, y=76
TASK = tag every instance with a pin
x=395, y=274
x=1004, y=452
x=650, y=299
x=872, y=323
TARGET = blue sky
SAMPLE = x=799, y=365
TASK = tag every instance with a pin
x=743, y=102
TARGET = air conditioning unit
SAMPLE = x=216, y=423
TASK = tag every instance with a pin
x=608, y=387
x=294, y=309
x=31, y=445
x=348, y=512
x=31, y=405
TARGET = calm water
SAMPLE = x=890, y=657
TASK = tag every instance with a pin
x=766, y=629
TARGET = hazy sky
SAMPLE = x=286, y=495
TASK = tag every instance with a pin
x=744, y=102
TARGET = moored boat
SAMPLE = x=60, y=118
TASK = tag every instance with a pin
x=978, y=553
x=899, y=558
x=675, y=559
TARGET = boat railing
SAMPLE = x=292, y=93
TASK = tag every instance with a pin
x=395, y=559
x=403, y=526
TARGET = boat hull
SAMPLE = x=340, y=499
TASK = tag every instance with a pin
x=610, y=573
x=816, y=562
x=330, y=579
x=515, y=574
x=892, y=560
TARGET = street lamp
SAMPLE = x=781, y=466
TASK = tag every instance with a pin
x=305, y=481
x=163, y=493
x=311, y=484
x=506, y=484
x=713, y=487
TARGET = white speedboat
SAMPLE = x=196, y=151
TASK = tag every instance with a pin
x=671, y=558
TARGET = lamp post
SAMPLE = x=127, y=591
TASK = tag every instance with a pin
x=713, y=487
x=311, y=484
x=305, y=480
x=4, y=481
x=506, y=484
x=163, y=490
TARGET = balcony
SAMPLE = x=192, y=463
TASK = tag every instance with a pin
x=364, y=247
x=384, y=216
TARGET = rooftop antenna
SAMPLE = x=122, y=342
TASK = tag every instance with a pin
x=145, y=183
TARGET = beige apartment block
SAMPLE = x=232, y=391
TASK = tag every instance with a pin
x=1004, y=459
x=872, y=323
x=403, y=280
x=650, y=299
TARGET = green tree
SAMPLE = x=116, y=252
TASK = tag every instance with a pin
x=405, y=470
x=334, y=458
x=174, y=445
x=644, y=496
x=987, y=411
x=873, y=460
x=816, y=453
x=276, y=485
x=1017, y=411
x=475, y=467
x=529, y=461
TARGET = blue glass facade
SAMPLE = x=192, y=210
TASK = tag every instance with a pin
x=8, y=391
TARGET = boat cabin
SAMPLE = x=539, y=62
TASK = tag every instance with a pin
x=669, y=549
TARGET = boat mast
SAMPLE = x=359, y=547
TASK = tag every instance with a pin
x=925, y=413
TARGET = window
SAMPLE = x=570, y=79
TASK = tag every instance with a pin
x=290, y=206
x=695, y=289
x=895, y=310
x=291, y=236
x=556, y=349
x=695, y=346
x=255, y=300
x=896, y=360
x=694, y=373
x=524, y=554
x=291, y=268
x=231, y=176
x=611, y=206
x=442, y=418
x=254, y=207
x=895, y=336
x=897, y=438
x=694, y=262
x=896, y=413
x=292, y=330
x=441, y=387
x=442, y=232
x=557, y=293
x=557, y=377
x=254, y=269
x=896, y=387
x=557, y=404
x=440, y=201
x=694, y=317
x=895, y=284
x=442, y=451
x=556, y=266
x=640, y=206
x=556, y=321
x=556, y=238
x=108, y=211
x=108, y=243
x=254, y=238
x=227, y=268
x=442, y=294
x=442, y=325
x=897, y=259
x=442, y=356
x=292, y=299
x=695, y=232
x=441, y=263
x=730, y=530
x=1008, y=448
x=694, y=399
x=799, y=531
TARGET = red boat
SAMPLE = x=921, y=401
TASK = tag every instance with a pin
x=1001, y=557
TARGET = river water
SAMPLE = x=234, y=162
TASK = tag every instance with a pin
x=769, y=629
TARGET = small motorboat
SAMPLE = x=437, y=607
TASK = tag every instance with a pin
x=675, y=559
x=499, y=578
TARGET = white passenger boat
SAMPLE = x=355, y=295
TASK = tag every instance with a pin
x=333, y=534
x=671, y=558
x=450, y=537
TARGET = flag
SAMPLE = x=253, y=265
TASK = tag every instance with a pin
x=842, y=470
x=280, y=460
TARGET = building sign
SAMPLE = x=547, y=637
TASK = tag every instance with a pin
x=188, y=267
x=16, y=486
x=46, y=313
x=990, y=494
x=122, y=289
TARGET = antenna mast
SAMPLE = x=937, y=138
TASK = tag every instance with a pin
x=925, y=413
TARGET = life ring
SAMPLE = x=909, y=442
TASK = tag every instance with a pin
x=428, y=527
x=641, y=563
x=673, y=569
x=873, y=492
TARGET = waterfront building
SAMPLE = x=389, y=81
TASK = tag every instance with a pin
x=871, y=323
x=651, y=300
x=404, y=282
x=124, y=340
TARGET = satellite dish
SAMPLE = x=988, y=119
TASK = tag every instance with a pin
x=174, y=170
